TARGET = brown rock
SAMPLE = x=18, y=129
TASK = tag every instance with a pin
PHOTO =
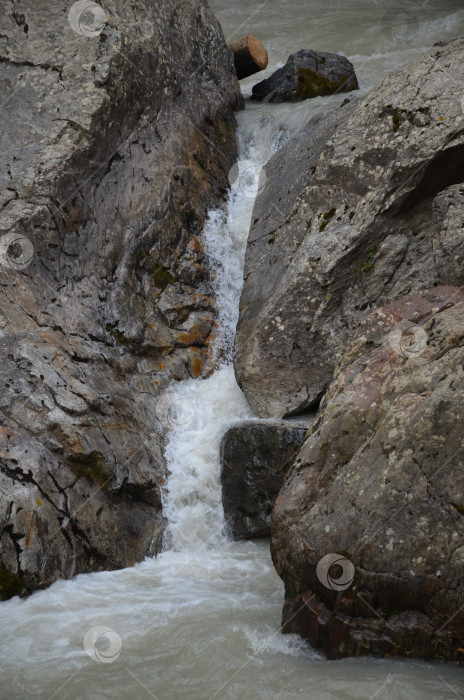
x=250, y=56
x=380, y=481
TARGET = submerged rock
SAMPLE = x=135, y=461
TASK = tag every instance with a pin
x=359, y=209
x=120, y=136
x=255, y=457
x=307, y=74
x=380, y=482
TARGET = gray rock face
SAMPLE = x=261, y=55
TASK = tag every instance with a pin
x=380, y=481
x=360, y=209
x=307, y=74
x=255, y=457
x=116, y=143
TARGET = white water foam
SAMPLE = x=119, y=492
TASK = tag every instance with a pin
x=192, y=498
x=225, y=243
x=192, y=501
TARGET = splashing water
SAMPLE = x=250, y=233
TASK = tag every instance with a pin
x=192, y=497
x=192, y=503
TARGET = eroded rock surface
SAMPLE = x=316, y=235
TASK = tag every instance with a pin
x=113, y=147
x=380, y=481
x=307, y=74
x=359, y=209
x=255, y=457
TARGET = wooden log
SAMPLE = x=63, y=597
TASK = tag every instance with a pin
x=250, y=56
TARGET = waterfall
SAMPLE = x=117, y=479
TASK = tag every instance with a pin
x=192, y=497
x=204, y=408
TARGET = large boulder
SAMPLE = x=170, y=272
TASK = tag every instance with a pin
x=307, y=74
x=255, y=457
x=360, y=209
x=119, y=137
x=379, y=486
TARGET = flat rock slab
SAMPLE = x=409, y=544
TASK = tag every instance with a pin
x=255, y=457
x=308, y=74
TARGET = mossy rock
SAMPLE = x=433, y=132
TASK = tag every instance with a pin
x=119, y=336
x=91, y=466
x=10, y=584
x=308, y=74
x=326, y=218
x=313, y=84
x=161, y=276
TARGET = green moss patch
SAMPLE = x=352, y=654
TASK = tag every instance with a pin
x=161, y=276
x=313, y=84
x=398, y=115
x=118, y=335
x=459, y=508
x=91, y=466
x=10, y=584
x=326, y=218
x=396, y=122
x=367, y=264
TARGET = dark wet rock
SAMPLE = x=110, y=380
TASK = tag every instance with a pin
x=380, y=481
x=307, y=74
x=114, y=147
x=255, y=457
x=359, y=209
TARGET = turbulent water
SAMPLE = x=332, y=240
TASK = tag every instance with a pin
x=202, y=620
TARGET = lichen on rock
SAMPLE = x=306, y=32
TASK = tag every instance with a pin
x=376, y=479
x=360, y=216
x=115, y=147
